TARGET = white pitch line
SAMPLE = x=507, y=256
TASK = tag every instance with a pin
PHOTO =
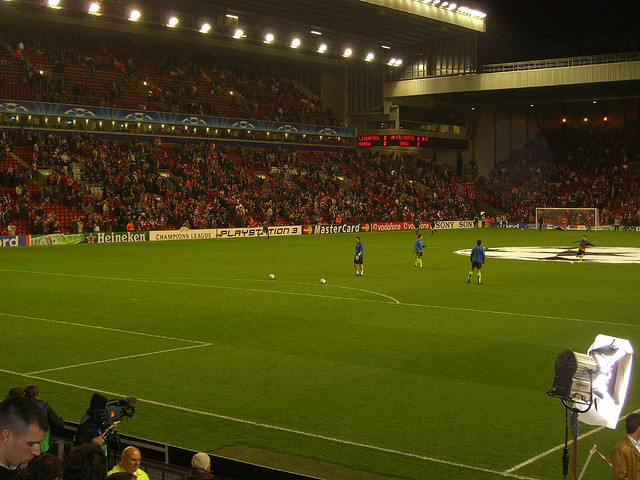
x=99, y=327
x=282, y=429
x=119, y=358
x=516, y=314
x=333, y=297
x=183, y=284
x=558, y=447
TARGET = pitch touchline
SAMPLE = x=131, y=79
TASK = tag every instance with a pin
x=394, y=301
x=120, y=358
x=555, y=449
x=278, y=428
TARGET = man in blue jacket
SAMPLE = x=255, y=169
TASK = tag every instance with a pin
x=477, y=260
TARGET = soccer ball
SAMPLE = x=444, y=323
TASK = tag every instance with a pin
x=323, y=281
x=271, y=276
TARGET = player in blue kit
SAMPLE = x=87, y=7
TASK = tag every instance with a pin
x=357, y=258
x=417, y=249
x=477, y=260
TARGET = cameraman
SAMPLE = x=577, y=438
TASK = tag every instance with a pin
x=91, y=428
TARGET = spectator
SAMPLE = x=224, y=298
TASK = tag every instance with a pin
x=45, y=467
x=85, y=462
x=33, y=392
x=22, y=427
x=130, y=463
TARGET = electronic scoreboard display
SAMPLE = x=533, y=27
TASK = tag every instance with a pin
x=406, y=141
x=393, y=141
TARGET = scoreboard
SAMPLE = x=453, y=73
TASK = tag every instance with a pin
x=405, y=141
x=393, y=141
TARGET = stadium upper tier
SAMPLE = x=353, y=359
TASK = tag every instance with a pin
x=96, y=69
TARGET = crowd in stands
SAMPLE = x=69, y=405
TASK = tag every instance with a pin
x=568, y=167
x=205, y=185
x=93, y=68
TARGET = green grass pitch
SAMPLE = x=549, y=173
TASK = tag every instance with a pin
x=404, y=372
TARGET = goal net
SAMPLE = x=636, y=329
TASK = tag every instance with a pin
x=579, y=218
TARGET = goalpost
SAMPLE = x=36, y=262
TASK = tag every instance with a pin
x=579, y=218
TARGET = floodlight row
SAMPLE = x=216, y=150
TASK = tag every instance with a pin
x=454, y=8
x=94, y=8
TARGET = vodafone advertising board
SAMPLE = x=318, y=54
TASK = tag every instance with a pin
x=397, y=226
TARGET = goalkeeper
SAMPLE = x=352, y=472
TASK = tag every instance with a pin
x=584, y=243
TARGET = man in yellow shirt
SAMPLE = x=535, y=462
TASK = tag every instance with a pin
x=130, y=463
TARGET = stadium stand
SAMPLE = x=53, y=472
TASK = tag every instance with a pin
x=95, y=69
x=572, y=168
x=92, y=182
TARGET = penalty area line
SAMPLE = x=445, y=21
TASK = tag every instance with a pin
x=99, y=327
x=96, y=362
x=280, y=429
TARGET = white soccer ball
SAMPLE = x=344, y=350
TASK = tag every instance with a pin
x=271, y=276
x=323, y=281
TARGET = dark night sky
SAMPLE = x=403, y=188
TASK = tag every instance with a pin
x=527, y=30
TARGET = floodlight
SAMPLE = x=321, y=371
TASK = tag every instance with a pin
x=239, y=33
x=453, y=6
x=322, y=48
x=173, y=21
x=205, y=28
x=315, y=32
x=598, y=379
x=398, y=62
x=444, y=4
x=295, y=43
x=269, y=38
x=386, y=47
x=347, y=53
x=94, y=8
x=370, y=56
x=53, y=3
x=135, y=15
x=392, y=62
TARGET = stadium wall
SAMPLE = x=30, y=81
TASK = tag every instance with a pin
x=503, y=129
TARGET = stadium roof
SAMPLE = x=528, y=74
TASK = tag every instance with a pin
x=396, y=23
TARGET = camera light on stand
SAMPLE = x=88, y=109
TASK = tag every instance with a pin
x=598, y=379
